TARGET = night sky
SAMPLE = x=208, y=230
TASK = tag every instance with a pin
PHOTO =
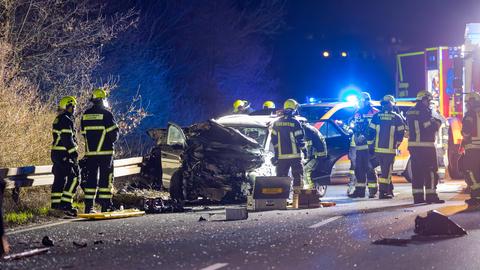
x=371, y=31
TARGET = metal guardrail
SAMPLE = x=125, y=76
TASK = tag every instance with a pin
x=29, y=176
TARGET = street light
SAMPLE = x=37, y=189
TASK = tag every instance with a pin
x=326, y=54
x=344, y=54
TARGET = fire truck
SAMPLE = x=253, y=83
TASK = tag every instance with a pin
x=448, y=73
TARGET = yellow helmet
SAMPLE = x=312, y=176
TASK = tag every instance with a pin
x=269, y=105
x=99, y=93
x=424, y=94
x=238, y=104
x=67, y=101
x=472, y=96
x=290, y=104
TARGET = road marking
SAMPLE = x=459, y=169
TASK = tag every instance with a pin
x=215, y=266
x=324, y=222
x=42, y=226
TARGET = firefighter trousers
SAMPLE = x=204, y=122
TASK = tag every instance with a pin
x=385, y=185
x=472, y=171
x=284, y=166
x=365, y=172
x=99, y=182
x=65, y=183
x=424, y=172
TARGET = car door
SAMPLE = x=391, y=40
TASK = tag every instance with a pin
x=338, y=143
x=171, y=142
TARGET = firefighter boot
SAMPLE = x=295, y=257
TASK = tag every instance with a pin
x=357, y=193
x=384, y=195
x=433, y=198
x=107, y=207
x=418, y=198
x=70, y=211
x=89, y=208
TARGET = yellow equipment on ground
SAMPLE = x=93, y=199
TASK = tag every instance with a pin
x=112, y=215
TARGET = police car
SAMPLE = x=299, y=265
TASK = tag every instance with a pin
x=340, y=113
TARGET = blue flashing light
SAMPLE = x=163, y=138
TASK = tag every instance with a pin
x=352, y=98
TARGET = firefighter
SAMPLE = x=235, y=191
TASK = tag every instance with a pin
x=241, y=107
x=364, y=160
x=422, y=128
x=316, y=153
x=471, y=143
x=268, y=108
x=100, y=132
x=64, y=156
x=386, y=129
x=288, y=141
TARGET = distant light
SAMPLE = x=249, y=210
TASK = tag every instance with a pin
x=352, y=99
x=312, y=100
x=344, y=54
x=326, y=54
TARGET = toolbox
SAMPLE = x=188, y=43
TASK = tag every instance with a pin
x=306, y=198
x=269, y=193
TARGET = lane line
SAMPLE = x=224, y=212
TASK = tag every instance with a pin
x=215, y=266
x=324, y=222
x=42, y=226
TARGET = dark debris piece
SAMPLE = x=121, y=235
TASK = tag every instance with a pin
x=392, y=242
x=201, y=219
x=98, y=242
x=46, y=241
x=435, y=224
x=80, y=245
x=158, y=205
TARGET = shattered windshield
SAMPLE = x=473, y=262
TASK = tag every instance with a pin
x=259, y=134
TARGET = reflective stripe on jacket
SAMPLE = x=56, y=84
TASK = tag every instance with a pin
x=100, y=131
x=288, y=138
x=471, y=129
x=63, y=132
x=315, y=142
x=422, y=127
x=387, y=130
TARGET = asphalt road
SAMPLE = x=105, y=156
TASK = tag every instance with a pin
x=338, y=237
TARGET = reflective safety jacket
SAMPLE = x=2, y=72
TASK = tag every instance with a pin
x=100, y=131
x=386, y=129
x=288, y=138
x=64, y=143
x=361, y=121
x=314, y=142
x=422, y=126
x=471, y=129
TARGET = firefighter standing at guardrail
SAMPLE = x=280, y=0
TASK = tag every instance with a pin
x=64, y=156
x=288, y=141
x=316, y=152
x=422, y=128
x=386, y=129
x=364, y=159
x=100, y=132
x=471, y=143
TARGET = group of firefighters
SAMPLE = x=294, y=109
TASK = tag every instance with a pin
x=100, y=133
x=377, y=134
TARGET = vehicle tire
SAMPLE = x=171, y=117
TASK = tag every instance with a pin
x=454, y=166
x=176, y=186
x=408, y=171
x=321, y=189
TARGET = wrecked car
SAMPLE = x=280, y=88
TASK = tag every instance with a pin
x=219, y=159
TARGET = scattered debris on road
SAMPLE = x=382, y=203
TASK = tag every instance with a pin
x=25, y=254
x=80, y=245
x=392, y=242
x=202, y=219
x=98, y=242
x=437, y=224
x=236, y=213
x=159, y=205
x=46, y=241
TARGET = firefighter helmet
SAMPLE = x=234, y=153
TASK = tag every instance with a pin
x=237, y=105
x=472, y=97
x=388, y=99
x=269, y=105
x=67, y=101
x=424, y=94
x=290, y=104
x=99, y=93
x=365, y=96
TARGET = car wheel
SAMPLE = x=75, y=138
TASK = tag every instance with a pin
x=408, y=171
x=321, y=189
x=176, y=186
